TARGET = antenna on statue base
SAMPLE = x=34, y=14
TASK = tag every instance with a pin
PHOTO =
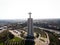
x=29, y=14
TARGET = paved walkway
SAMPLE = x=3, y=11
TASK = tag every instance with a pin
x=39, y=42
x=16, y=34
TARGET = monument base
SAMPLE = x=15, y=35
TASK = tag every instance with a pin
x=29, y=40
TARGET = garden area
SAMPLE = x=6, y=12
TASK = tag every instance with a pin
x=8, y=38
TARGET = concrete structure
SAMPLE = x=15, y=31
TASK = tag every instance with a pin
x=30, y=35
x=30, y=26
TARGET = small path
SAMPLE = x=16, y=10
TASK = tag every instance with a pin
x=39, y=42
x=16, y=34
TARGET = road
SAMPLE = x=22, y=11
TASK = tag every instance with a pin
x=51, y=30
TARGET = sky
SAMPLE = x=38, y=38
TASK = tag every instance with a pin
x=19, y=9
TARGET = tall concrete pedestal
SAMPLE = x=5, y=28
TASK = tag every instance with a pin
x=30, y=33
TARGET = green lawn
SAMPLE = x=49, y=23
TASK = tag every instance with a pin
x=1, y=43
x=16, y=39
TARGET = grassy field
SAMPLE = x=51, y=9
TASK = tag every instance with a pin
x=1, y=43
x=14, y=39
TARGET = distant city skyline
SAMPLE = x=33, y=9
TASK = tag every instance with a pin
x=19, y=9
